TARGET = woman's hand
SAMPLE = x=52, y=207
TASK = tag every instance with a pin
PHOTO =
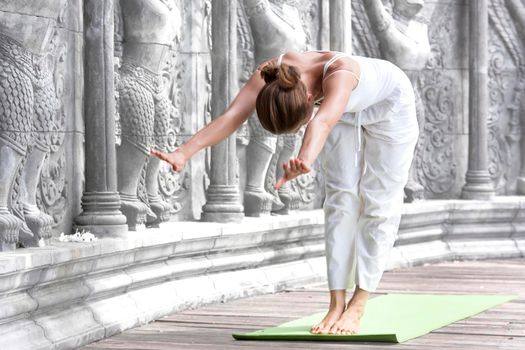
x=292, y=169
x=176, y=159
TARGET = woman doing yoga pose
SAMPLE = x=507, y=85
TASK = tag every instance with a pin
x=364, y=133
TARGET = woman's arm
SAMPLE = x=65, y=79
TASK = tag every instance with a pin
x=337, y=87
x=217, y=130
x=223, y=126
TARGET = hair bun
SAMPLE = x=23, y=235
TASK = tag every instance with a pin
x=288, y=76
x=269, y=73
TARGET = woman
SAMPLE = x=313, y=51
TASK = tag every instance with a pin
x=365, y=176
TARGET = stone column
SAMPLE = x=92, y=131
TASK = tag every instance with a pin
x=100, y=201
x=223, y=200
x=341, y=25
x=478, y=182
x=516, y=10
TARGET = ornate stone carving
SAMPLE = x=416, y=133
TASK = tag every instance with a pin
x=403, y=40
x=516, y=47
x=51, y=194
x=27, y=117
x=149, y=30
x=172, y=186
x=506, y=73
x=273, y=33
x=364, y=41
x=435, y=162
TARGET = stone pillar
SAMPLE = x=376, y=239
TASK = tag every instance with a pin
x=223, y=200
x=100, y=201
x=341, y=25
x=516, y=9
x=478, y=182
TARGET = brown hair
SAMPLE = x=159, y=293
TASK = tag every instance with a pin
x=282, y=104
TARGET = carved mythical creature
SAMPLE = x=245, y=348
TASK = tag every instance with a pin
x=28, y=106
x=149, y=30
x=403, y=40
x=273, y=34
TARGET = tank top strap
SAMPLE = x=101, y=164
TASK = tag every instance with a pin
x=280, y=60
x=332, y=60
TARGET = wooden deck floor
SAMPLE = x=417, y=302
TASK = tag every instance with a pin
x=502, y=327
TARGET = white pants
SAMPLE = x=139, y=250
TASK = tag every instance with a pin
x=363, y=203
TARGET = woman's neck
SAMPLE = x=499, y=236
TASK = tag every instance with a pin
x=310, y=66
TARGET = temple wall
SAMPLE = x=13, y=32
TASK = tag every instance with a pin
x=42, y=125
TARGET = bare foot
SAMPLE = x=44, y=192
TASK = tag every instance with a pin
x=349, y=321
x=336, y=309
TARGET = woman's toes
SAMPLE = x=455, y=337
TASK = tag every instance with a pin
x=324, y=330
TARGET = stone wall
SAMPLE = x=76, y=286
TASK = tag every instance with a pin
x=41, y=129
x=41, y=95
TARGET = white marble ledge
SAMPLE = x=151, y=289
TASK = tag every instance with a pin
x=173, y=232
x=436, y=205
x=169, y=233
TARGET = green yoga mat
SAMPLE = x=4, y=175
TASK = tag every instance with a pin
x=392, y=318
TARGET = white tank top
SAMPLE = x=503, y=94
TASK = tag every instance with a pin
x=380, y=81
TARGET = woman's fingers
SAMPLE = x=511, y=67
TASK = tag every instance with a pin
x=159, y=154
x=279, y=183
x=286, y=168
x=295, y=165
x=305, y=168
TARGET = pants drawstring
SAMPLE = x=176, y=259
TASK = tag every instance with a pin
x=358, y=138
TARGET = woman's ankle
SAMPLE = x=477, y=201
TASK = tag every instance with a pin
x=337, y=299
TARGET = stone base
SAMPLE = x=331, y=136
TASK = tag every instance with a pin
x=257, y=204
x=135, y=212
x=69, y=294
x=162, y=211
x=222, y=205
x=520, y=185
x=104, y=230
x=222, y=217
x=478, y=186
x=414, y=191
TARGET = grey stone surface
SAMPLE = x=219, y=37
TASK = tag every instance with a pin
x=222, y=196
x=441, y=160
x=340, y=39
x=478, y=183
x=100, y=202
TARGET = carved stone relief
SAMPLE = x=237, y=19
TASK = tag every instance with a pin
x=505, y=74
x=173, y=186
x=272, y=33
x=149, y=29
x=435, y=160
x=364, y=41
x=397, y=31
x=28, y=117
x=402, y=37
x=52, y=192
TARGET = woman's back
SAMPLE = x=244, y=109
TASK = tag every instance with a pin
x=380, y=82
